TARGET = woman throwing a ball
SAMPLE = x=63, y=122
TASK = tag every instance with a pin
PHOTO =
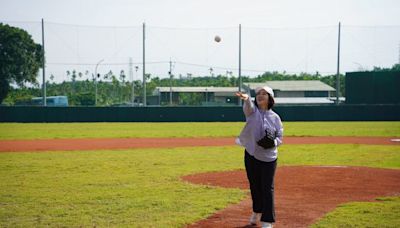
x=260, y=137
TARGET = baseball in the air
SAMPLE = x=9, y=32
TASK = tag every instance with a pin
x=217, y=39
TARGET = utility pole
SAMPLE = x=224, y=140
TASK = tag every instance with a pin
x=133, y=81
x=96, y=76
x=43, y=67
x=170, y=81
x=136, y=73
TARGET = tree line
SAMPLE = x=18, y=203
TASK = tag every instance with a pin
x=117, y=91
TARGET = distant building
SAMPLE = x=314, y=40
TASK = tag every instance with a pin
x=297, y=91
x=204, y=95
x=286, y=92
x=50, y=101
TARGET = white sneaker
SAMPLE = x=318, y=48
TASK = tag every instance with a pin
x=254, y=218
x=266, y=225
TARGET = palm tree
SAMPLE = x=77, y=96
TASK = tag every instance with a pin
x=122, y=76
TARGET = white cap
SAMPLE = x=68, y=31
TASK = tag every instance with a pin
x=266, y=88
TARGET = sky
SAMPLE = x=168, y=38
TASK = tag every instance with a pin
x=277, y=35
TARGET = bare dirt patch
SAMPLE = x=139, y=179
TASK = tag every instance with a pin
x=302, y=194
x=127, y=143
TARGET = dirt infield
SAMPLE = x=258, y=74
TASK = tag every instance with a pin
x=120, y=143
x=302, y=194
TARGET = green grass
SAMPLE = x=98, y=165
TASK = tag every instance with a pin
x=387, y=128
x=384, y=213
x=139, y=188
x=344, y=154
x=142, y=188
x=117, y=130
x=173, y=130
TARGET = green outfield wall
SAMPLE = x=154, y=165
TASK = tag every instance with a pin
x=373, y=87
x=195, y=114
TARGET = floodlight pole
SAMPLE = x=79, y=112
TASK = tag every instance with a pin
x=43, y=67
x=338, y=68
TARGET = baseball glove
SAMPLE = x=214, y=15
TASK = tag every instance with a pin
x=268, y=141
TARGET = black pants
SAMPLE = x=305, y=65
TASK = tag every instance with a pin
x=261, y=179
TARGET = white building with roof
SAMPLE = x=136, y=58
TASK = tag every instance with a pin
x=286, y=92
x=207, y=95
x=297, y=91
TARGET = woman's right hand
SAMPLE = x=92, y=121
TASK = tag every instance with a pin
x=242, y=96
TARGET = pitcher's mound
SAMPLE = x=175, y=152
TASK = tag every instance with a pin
x=302, y=194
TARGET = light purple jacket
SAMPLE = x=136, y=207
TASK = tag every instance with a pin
x=257, y=121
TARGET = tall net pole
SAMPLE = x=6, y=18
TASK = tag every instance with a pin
x=240, y=62
x=338, y=69
x=43, y=67
x=144, y=65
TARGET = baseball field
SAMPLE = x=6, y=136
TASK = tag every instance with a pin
x=330, y=174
